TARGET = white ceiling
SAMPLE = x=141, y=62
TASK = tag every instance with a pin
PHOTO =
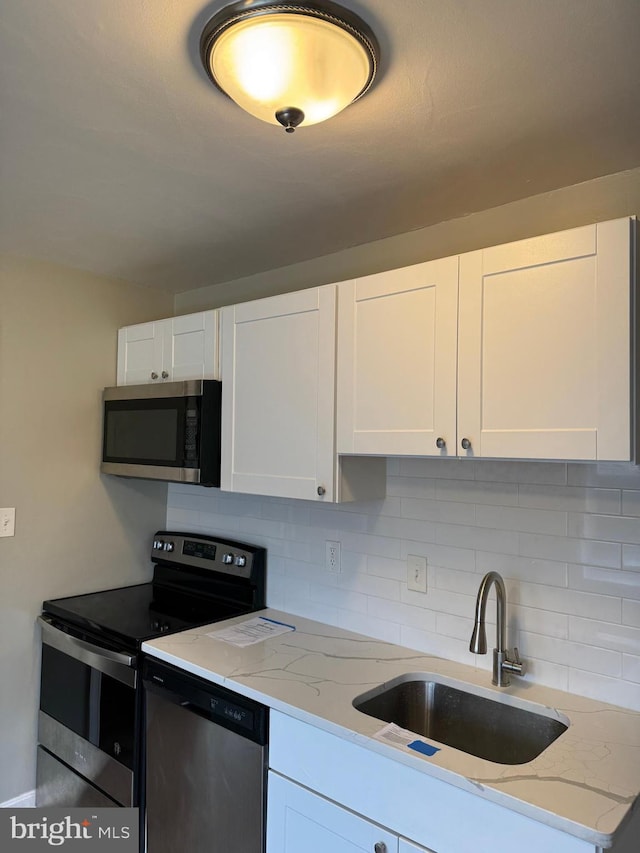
x=118, y=156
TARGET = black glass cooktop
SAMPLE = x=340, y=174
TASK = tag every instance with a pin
x=132, y=614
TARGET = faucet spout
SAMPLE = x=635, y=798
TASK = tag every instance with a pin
x=502, y=664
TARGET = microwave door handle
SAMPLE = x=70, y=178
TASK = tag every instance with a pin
x=118, y=665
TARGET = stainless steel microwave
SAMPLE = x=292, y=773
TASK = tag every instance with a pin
x=166, y=431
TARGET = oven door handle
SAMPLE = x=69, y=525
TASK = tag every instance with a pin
x=118, y=665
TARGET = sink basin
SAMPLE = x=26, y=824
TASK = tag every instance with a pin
x=495, y=730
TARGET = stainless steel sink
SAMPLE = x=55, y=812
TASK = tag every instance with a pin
x=498, y=731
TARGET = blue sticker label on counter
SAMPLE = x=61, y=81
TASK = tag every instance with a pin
x=424, y=748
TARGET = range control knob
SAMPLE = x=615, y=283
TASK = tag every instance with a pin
x=227, y=559
x=157, y=544
x=168, y=546
x=241, y=560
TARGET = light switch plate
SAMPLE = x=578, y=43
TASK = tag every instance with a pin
x=416, y=573
x=7, y=521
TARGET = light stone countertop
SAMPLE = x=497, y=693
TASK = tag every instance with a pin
x=584, y=783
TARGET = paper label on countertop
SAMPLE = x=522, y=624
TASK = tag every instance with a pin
x=397, y=736
x=252, y=631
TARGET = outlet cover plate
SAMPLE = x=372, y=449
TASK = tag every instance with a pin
x=332, y=557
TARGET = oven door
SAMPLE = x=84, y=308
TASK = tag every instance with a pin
x=88, y=716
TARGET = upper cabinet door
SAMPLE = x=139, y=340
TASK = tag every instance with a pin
x=397, y=357
x=191, y=347
x=278, y=386
x=169, y=350
x=140, y=353
x=544, y=347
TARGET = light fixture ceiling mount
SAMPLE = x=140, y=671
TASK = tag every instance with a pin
x=289, y=63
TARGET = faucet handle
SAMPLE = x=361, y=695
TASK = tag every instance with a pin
x=516, y=666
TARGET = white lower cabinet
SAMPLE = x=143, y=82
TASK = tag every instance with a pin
x=330, y=794
x=299, y=821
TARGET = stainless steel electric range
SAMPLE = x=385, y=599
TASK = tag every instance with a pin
x=91, y=726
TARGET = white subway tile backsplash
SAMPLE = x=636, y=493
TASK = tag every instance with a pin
x=631, y=503
x=450, y=469
x=608, y=527
x=477, y=538
x=500, y=494
x=451, y=512
x=384, y=567
x=552, y=674
x=605, y=581
x=631, y=613
x=570, y=550
x=565, y=537
x=551, y=522
x=572, y=602
x=380, y=629
x=614, y=690
x=605, y=635
x=545, y=572
x=570, y=498
x=631, y=557
x=441, y=555
x=608, y=475
x=521, y=472
x=604, y=661
x=631, y=668
x=536, y=621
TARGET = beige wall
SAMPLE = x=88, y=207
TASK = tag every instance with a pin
x=76, y=531
x=593, y=201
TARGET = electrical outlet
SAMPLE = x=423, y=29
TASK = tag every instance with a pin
x=332, y=559
x=417, y=573
x=8, y=521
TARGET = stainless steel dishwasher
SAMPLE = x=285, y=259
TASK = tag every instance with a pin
x=205, y=765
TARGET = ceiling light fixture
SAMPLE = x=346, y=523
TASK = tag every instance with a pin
x=289, y=63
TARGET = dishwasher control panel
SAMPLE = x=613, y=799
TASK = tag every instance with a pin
x=216, y=703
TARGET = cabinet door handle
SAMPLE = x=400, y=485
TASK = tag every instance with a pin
x=321, y=490
x=379, y=847
x=466, y=444
x=165, y=375
x=154, y=375
x=440, y=443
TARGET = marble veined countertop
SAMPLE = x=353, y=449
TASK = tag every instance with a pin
x=584, y=783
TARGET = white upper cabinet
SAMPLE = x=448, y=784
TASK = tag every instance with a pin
x=278, y=400
x=525, y=352
x=169, y=350
x=397, y=346
x=544, y=359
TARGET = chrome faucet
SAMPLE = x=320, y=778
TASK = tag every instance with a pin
x=502, y=663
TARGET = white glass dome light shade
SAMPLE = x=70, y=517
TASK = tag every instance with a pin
x=273, y=62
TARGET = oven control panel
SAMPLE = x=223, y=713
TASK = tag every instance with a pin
x=221, y=555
